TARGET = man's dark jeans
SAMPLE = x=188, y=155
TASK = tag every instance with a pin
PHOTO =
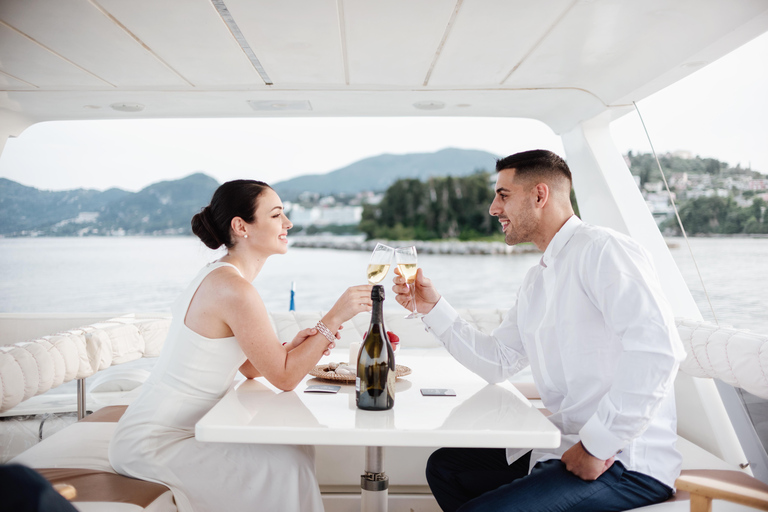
x=480, y=480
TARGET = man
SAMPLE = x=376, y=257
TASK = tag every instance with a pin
x=592, y=322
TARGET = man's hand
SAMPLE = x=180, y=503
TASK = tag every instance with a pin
x=584, y=465
x=426, y=294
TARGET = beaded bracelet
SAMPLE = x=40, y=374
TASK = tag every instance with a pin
x=325, y=331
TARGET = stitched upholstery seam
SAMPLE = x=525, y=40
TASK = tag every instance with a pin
x=728, y=359
x=693, y=350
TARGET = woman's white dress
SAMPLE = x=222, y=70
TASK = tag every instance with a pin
x=155, y=438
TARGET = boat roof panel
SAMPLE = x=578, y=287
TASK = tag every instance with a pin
x=560, y=61
x=486, y=44
x=189, y=37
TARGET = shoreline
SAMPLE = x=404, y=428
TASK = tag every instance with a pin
x=358, y=243
x=722, y=235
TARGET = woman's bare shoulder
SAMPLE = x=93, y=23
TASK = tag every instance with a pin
x=235, y=301
x=226, y=284
x=231, y=295
x=223, y=299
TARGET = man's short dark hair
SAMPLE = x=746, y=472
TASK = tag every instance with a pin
x=538, y=163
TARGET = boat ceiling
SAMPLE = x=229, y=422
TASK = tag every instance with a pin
x=558, y=61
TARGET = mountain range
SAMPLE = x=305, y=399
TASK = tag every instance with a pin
x=166, y=207
x=379, y=172
x=162, y=208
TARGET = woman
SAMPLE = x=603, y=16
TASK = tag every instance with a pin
x=220, y=325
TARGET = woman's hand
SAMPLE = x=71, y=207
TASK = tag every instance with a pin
x=354, y=300
x=426, y=294
x=302, y=336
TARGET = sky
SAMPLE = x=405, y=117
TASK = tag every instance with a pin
x=720, y=111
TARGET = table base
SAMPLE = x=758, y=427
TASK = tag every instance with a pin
x=374, y=483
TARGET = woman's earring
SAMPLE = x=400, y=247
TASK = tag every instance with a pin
x=246, y=236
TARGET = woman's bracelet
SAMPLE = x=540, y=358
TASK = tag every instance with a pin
x=325, y=331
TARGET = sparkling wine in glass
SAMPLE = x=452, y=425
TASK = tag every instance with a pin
x=378, y=266
x=407, y=263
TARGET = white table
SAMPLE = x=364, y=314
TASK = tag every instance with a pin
x=480, y=416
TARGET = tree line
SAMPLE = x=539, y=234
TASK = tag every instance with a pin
x=447, y=207
x=719, y=215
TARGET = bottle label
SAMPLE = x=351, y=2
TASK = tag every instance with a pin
x=391, y=381
x=357, y=384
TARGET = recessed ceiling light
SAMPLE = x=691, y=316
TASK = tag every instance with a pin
x=127, y=107
x=429, y=105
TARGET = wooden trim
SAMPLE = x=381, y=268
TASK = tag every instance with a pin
x=109, y=414
x=67, y=491
x=734, y=486
x=700, y=503
x=528, y=389
x=99, y=486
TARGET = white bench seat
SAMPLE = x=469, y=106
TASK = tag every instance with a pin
x=87, y=351
x=78, y=455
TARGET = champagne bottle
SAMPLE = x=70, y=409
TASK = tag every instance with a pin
x=376, y=374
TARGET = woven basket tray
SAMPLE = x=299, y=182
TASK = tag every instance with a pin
x=321, y=372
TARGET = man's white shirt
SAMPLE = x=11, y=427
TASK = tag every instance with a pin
x=595, y=327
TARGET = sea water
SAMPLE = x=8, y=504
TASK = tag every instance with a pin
x=146, y=274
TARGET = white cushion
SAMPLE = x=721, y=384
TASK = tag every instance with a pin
x=11, y=381
x=164, y=503
x=735, y=356
x=685, y=506
x=67, y=347
x=77, y=336
x=411, y=333
x=44, y=362
x=26, y=377
x=32, y=368
x=154, y=332
x=125, y=340
x=59, y=367
x=83, y=445
x=99, y=349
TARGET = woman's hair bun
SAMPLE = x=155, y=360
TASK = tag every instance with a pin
x=204, y=227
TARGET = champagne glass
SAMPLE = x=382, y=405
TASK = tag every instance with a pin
x=407, y=263
x=378, y=266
